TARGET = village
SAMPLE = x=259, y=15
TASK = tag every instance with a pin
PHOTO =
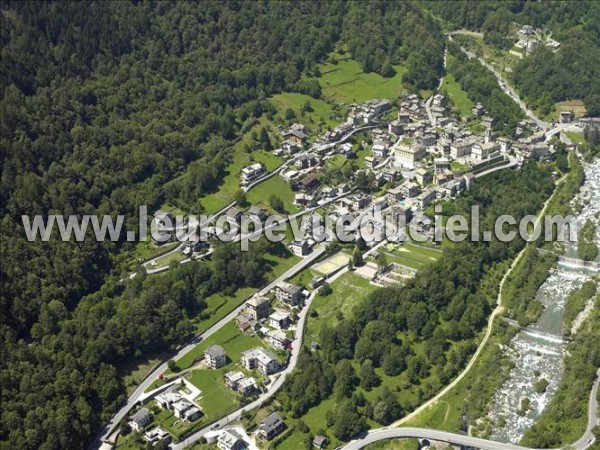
x=402, y=160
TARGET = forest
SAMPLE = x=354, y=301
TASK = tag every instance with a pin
x=110, y=105
x=481, y=86
x=545, y=77
x=443, y=309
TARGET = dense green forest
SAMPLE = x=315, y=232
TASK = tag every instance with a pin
x=576, y=302
x=545, y=77
x=110, y=105
x=481, y=86
x=443, y=308
x=381, y=34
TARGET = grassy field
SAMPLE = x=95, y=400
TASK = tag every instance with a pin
x=322, y=112
x=396, y=444
x=230, y=338
x=576, y=138
x=348, y=291
x=260, y=194
x=346, y=82
x=216, y=399
x=147, y=250
x=231, y=181
x=456, y=166
x=457, y=95
x=218, y=305
x=168, y=259
x=576, y=106
x=413, y=255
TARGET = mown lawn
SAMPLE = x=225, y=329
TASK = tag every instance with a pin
x=259, y=195
x=413, y=255
x=147, y=250
x=216, y=399
x=233, y=341
x=168, y=259
x=346, y=82
x=459, y=97
x=321, y=112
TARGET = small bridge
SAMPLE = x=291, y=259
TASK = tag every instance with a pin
x=574, y=263
x=537, y=333
x=579, y=263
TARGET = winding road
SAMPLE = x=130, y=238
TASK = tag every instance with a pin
x=382, y=434
x=144, y=385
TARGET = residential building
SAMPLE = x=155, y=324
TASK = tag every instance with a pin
x=439, y=100
x=394, y=195
x=186, y=410
x=234, y=214
x=379, y=150
x=140, y=419
x=243, y=322
x=277, y=339
x=478, y=110
x=288, y=293
x=460, y=149
x=232, y=379
x=395, y=128
x=261, y=359
x=258, y=307
x=409, y=189
x=408, y=155
x=300, y=248
x=319, y=442
x=390, y=174
x=271, y=426
x=441, y=164
x=307, y=183
x=231, y=440
x=165, y=399
x=280, y=320
x=215, y=357
x=359, y=201
x=155, y=435
x=404, y=117
x=251, y=172
x=423, y=176
x=425, y=198
x=247, y=386
x=296, y=134
x=257, y=213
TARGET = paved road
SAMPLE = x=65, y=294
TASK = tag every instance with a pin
x=134, y=397
x=593, y=417
x=273, y=388
x=296, y=346
x=488, y=331
x=458, y=439
x=506, y=88
x=424, y=433
x=512, y=163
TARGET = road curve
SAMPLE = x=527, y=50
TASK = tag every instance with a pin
x=425, y=433
x=274, y=388
x=488, y=331
x=144, y=385
x=459, y=439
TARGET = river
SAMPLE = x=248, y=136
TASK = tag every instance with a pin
x=538, y=351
